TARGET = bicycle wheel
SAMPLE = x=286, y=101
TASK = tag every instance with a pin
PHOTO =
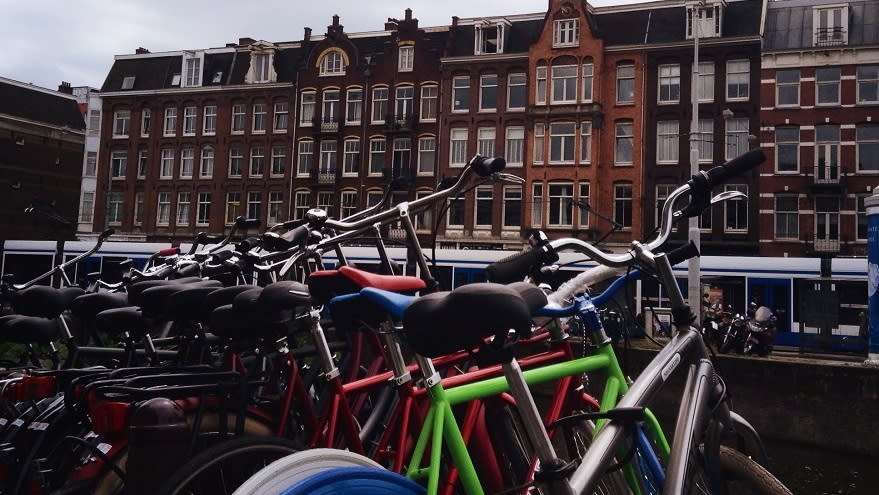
x=290, y=470
x=743, y=475
x=337, y=481
x=225, y=466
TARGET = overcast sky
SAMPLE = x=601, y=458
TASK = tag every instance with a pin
x=49, y=41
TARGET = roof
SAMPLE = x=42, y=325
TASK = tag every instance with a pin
x=789, y=23
x=519, y=37
x=38, y=104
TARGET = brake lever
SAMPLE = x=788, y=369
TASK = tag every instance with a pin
x=724, y=196
x=505, y=177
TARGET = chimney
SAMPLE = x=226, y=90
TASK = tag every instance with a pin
x=391, y=24
x=141, y=50
x=454, y=21
x=408, y=14
x=65, y=87
x=246, y=41
x=307, y=35
x=335, y=20
x=231, y=45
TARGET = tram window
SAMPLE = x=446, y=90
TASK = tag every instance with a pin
x=110, y=270
x=27, y=267
x=852, y=299
x=443, y=275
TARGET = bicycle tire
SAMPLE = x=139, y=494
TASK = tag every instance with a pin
x=225, y=466
x=744, y=475
x=343, y=480
x=287, y=471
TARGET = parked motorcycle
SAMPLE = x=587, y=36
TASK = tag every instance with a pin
x=753, y=333
x=733, y=334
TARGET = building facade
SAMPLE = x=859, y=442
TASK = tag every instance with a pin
x=819, y=126
x=90, y=105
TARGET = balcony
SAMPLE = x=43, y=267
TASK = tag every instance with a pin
x=401, y=123
x=323, y=176
x=325, y=126
x=831, y=36
x=825, y=245
x=826, y=179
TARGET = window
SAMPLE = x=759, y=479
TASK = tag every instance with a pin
x=282, y=109
x=826, y=153
x=738, y=77
x=238, y=118
x=787, y=217
x=170, y=128
x=868, y=84
x=667, y=141
x=458, y=149
x=426, y=155
x=560, y=197
x=306, y=114
x=515, y=146
x=736, y=212
x=403, y=102
x=512, y=209
x=564, y=84
x=257, y=161
x=489, y=38
x=128, y=82
x=276, y=207
x=354, y=108
x=302, y=204
x=233, y=207
x=145, y=121
x=352, y=157
x=585, y=143
x=187, y=162
x=826, y=223
x=87, y=207
x=868, y=148
x=536, y=205
x=279, y=161
x=192, y=71
x=332, y=64
x=705, y=83
x=118, y=160
x=787, y=149
x=329, y=116
x=325, y=201
x=175, y=79
x=736, y=137
x=485, y=141
x=707, y=20
x=461, y=94
x=561, y=142
x=379, y=104
x=138, y=208
x=115, y=208
x=348, y=203
x=95, y=121
x=203, y=213
x=142, y=163
x=190, y=114
x=625, y=83
x=259, y=117
x=121, y=123
x=488, y=92
x=328, y=151
x=209, y=126
x=587, y=82
x=662, y=192
x=862, y=218
x=424, y=220
x=166, y=170
x=236, y=161
x=402, y=157
x=406, y=58
x=566, y=32
x=306, y=158
x=622, y=205
x=624, y=143
x=183, y=200
x=516, y=91
x=787, y=85
x=91, y=163
x=254, y=205
x=705, y=140
x=455, y=213
x=484, y=199
x=163, y=209
x=827, y=82
x=539, y=144
x=540, y=86
x=584, y=199
x=831, y=25
x=262, y=67
x=669, y=83
x=377, y=149
x=429, y=95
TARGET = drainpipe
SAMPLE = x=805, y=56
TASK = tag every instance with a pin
x=872, y=205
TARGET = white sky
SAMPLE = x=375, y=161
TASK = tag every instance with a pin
x=49, y=41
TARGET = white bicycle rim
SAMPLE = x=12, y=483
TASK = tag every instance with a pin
x=289, y=470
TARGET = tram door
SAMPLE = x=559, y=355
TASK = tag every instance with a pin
x=775, y=294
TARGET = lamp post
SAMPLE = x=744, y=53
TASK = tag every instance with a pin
x=694, y=235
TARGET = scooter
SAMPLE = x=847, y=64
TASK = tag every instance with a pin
x=761, y=332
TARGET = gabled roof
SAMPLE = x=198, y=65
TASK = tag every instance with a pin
x=789, y=23
x=39, y=104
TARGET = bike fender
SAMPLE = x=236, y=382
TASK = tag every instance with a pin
x=753, y=445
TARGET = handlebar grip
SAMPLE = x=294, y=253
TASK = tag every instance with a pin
x=735, y=167
x=171, y=251
x=248, y=223
x=682, y=253
x=107, y=233
x=247, y=244
x=297, y=236
x=205, y=238
x=484, y=166
x=514, y=268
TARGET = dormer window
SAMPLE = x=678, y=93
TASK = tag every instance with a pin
x=262, y=68
x=830, y=25
x=332, y=64
x=406, y=58
x=566, y=33
x=128, y=82
x=490, y=36
x=705, y=19
x=192, y=65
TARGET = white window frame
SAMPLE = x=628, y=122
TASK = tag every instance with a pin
x=865, y=81
x=170, y=124
x=115, y=208
x=275, y=210
x=540, y=85
x=87, y=207
x=236, y=160
x=620, y=201
x=562, y=139
x=536, y=204
x=351, y=159
x=788, y=218
x=488, y=92
x=301, y=204
x=514, y=148
x=483, y=202
x=426, y=155
x=307, y=107
x=347, y=203
x=258, y=126
x=624, y=133
x=559, y=204
x=587, y=79
x=738, y=207
x=281, y=117
x=353, y=106
x=787, y=85
x=257, y=166
x=566, y=33
x=118, y=164
x=233, y=206
x=582, y=215
x=566, y=82
x=705, y=82
x=668, y=142
x=190, y=121
x=262, y=67
x=379, y=109
x=406, y=58
x=209, y=123
x=429, y=103
x=513, y=200
x=146, y=118
x=203, y=209
x=332, y=64
x=824, y=82
x=517, y=82
x=184, y=210
x=830, y=35
x=187, y=162
x=705, y=140
x=668, y=84
x=585, y=143
x=378, y=149
x=539, y=144
x=163, y=209
x=736, y=136
x=121, y=123
x=253, y=208
x=872, y=142
x=738, y=77
x=166, y=165
x=404, y=102
x=206, y=168
x=279, y=161
x=625, y=74
x=142, y=162
x=485, y=141
x=239, y=111
x=460, y=94
x=192, y=70
x=784, y=142
x=305, y=158
x=458, y=147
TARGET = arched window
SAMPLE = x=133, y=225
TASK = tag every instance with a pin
x=332, y=64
